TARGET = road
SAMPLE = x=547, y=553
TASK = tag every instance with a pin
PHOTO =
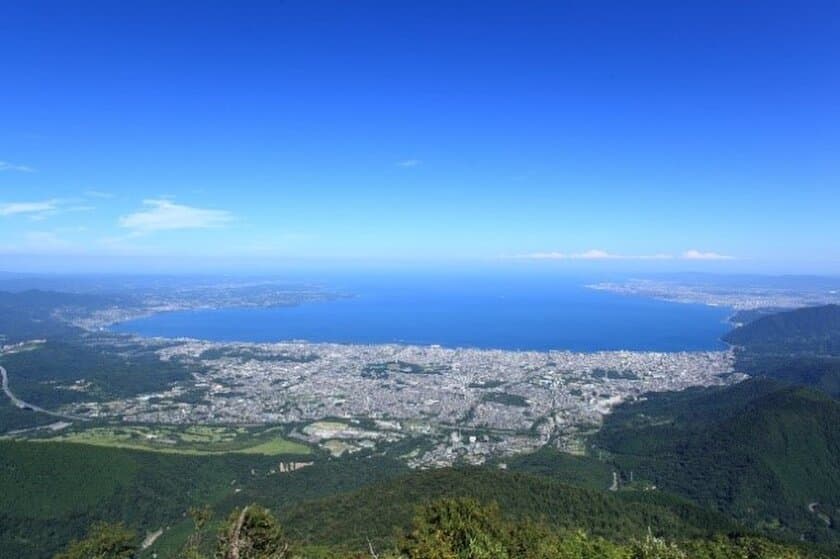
x=26, y=405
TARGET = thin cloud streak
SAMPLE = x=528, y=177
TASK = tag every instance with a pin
x=6, y=166
x=592, y=254
x=165, y=215
x=700, y=255
x=597, y=254
x=28, y=208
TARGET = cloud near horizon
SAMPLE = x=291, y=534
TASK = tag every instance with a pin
x=597, y=254
x=700, y=255
x=165, y=215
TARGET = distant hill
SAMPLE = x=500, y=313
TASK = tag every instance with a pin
x=768, y=455
x=30, y=314
x=794, y=347
x=811, y=330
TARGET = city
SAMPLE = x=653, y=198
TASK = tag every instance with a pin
x=474, y=404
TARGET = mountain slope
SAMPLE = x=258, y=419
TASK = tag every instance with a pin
x=51, y=492
x=377, y=511
x=811, y=330
x=769, y=456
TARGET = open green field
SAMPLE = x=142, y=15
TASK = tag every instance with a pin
x=193, y=440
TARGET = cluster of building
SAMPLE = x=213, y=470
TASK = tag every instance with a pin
x=471, y=404
x=738, y=298
x=146, y=301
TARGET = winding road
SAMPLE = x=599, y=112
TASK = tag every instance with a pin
x=26, y=405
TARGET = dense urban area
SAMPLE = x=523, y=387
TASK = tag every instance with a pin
x=473, y=404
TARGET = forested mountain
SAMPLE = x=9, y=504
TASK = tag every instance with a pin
x=800, y=347
x=767, y=455
x=31, y=314
x=374, y=512
x=51, y=492
x=808, y=330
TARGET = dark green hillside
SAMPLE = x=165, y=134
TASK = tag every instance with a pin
x=108, y=374
x=51, y=492
x=809, y=330
x=768, y=455
x=818, y=372
x=377, y=511
x=580, y=471
x=794, y=347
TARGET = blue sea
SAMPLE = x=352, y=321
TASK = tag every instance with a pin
x=512, y=314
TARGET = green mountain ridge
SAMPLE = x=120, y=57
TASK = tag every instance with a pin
x=764, y=461
x=375, y=512
x=810, y=329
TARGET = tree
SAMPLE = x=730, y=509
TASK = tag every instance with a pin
x=655, y=548
x=103, y=541
x=456, y=529
x=200, y=517
x=252, y=533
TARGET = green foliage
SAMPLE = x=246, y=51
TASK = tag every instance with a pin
x=655, y=548
x=103, y=541
x=819, y=372
x=581, y=471
x=742, y=547
x=33, y=374
x=456, y=529
x=447, y=528
x=51, y=492
x=809, y=330
x=794, y=347
x=200, y=516
x=375, y=511
x=756, y=451
x=252, y=533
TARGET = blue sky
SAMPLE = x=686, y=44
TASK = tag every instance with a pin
x=648, y=135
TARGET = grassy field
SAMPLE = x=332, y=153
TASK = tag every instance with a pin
x=196, y=440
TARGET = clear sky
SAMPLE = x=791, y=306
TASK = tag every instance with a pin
x=696, y=135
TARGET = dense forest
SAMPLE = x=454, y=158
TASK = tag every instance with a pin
x=799, y=347
x=808, y=330
x=448, y=528
x=766, y=454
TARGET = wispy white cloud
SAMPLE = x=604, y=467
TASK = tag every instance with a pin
x=6, y=166
x=165, y=215
x=29, y=208
x=592, y=254
x=409, y=163
x=97, y=194
x=700, y=255
x=597, y=254
x=42, y=209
